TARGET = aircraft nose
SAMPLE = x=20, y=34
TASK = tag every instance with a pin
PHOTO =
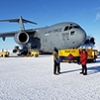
x=81, y=35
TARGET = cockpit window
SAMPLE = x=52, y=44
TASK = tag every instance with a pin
x=66, y=28
x=70, y=27
x=76, y=26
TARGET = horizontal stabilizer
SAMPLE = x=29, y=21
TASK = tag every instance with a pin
x=20, y=20
x=17, y=20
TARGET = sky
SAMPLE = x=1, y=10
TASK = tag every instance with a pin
x=86, y=13
x=28, y=78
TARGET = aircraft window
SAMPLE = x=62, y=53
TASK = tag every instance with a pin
x=72, y=33
x=66, y=28
x=76, y=26
x=70, y=27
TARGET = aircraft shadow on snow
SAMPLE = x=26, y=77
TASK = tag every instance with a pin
x=90, y=70
x=94, y=69
x=70, y=71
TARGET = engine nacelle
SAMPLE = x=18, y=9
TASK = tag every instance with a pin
x=21, y=38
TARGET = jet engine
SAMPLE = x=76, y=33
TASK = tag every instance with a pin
x=90, y=40
x=21, y=38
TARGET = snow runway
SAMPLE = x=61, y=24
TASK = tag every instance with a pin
x=29, y=78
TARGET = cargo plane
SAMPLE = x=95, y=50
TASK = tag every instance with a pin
x=61, y=35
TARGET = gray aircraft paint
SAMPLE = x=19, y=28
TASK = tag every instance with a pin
x=62, y=35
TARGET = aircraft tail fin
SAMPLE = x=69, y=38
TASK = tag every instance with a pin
x=20, y=20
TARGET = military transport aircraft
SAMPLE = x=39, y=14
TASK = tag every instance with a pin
x=62, y=35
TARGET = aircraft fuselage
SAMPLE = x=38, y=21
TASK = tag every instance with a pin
x=62, y=36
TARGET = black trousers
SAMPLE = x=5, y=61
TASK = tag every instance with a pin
x=84, y=69
x=56, y=67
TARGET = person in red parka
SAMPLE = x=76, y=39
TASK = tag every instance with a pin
x=83, y=61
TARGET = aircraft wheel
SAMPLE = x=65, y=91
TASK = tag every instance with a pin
x=32, y=55
x=36, y=55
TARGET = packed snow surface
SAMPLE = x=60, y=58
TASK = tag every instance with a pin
x=30, y=78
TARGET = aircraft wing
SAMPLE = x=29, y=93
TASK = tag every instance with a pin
x=20, y=33
x=8, y=34
x=12, y=34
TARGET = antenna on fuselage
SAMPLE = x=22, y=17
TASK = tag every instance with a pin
x=20, y=20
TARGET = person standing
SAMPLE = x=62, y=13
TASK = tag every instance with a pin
x=56, y=62
x=83, y=61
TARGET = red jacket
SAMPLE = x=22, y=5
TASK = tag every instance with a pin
x=83, y=58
